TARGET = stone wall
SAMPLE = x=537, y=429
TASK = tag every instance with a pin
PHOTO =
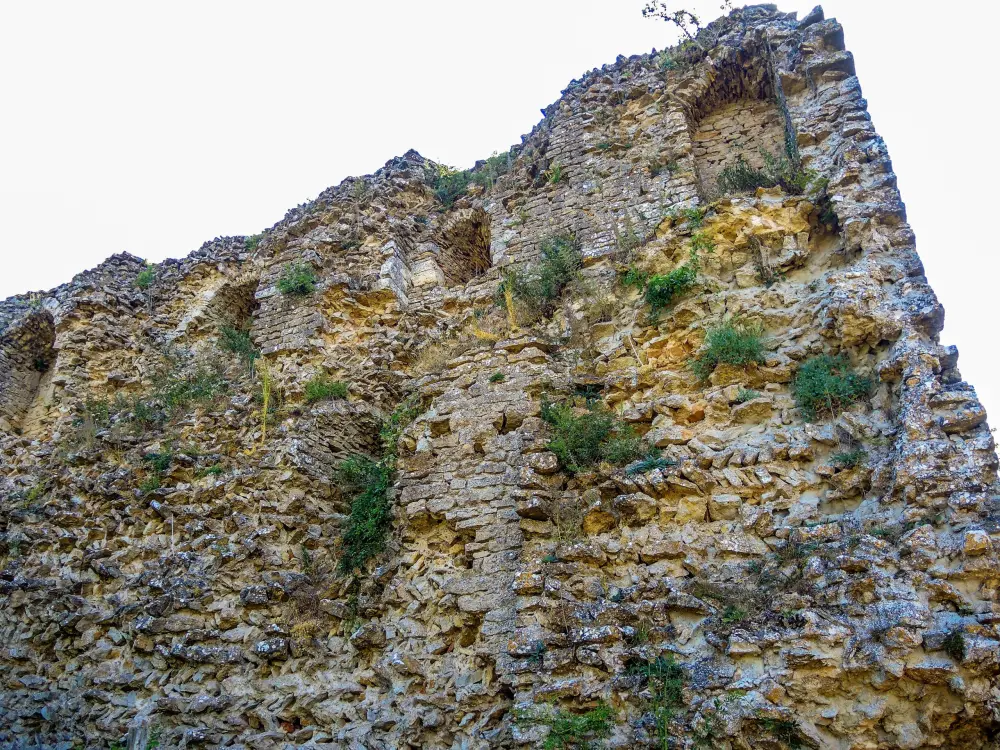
x=173, y=561
x=748, y=128
x=26, y=352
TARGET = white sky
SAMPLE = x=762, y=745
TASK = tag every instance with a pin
x=154, y=127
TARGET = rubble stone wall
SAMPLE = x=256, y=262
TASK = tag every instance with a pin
x=173, y=517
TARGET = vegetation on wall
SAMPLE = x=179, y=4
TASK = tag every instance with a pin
x=733, y=342
x=778, y=171
x=567, y=730
x=146, y=277
x=297, y=279
x=583, y=438
x=322, y=388
x=370, y=482
x=826, y=385
x=538, y=288
x=663, y=289
x=238, y=342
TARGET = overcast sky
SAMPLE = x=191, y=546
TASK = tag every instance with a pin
x=152, y=127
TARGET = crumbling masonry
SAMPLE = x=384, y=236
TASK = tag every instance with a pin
x=179, y=575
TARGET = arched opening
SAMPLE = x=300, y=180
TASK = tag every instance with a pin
x=27, y=353
x=234, y=303
x=738, y=115
x=465, y=246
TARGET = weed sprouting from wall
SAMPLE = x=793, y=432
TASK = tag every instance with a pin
x=538, y=288
x=568, y=730
x=583, y=438
x=826, y=385
x=732, y=343
x=297, y=279
x=370, y=482
x=322, y=388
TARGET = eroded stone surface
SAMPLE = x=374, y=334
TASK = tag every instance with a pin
x=855, y=604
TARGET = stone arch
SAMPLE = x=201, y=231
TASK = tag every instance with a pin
x=738, y=113
x=464, y=243
x=229, y=301
x=27, y=353
x=234, y=302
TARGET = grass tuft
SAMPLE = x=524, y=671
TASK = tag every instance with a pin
x=734, y=343
x=322, y=388
x=238, y=342
x=663, y=289
x=825, y=385
x=568, y=730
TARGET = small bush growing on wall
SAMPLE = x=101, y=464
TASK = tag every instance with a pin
x=663, y=289
x=732, y=343
x=369, y=482
x=297, y=279
x=450, y=184
x=849, y=459
x=825, y=385
x=582, y=440
x=238, y=342
x=492, y=169
x=539, y=287
x=251, y=242
x=778, y=171
x=321, y=388
x=146, y=277
x=371, y=510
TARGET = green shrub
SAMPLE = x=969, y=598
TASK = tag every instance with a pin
x=210, y=471
x=371, y=510
x=497, y=377
x=745, y=395
x=158, y=462
x=694, y=216
x=297, y=279
x=146, y=277
x=826, y=385
x=392, y=427
x=732, y=343
x=663, y=289
x=321, y=388
x=251, y=242
x=99, y=411
x=665, y=679
x=554, y=173
x=778, y=171
x=701, y=244
x=849, y=459
x=954, y=644
x=449, y=185
x=568, y=730
x=582, y=440
x=665, y=61
x=733, y=614
x=635, y=278
x=151, y=484
x=238, y=342
x=539, y=287
x=784, y=731
x=492, y=169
